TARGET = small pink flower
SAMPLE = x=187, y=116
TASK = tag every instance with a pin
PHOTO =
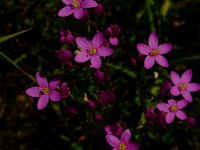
x=173, y=109
x=165, y=88
x=122, y=143
x=112, y=31
x=154, y=51
x=105, y=97
x=115, y=129
x=66, y=37
x=92, y=50
x=63, y=55
x=91, y=104
x=76, y=7
x=44, y=91
x=64, y=90
x=183, y=86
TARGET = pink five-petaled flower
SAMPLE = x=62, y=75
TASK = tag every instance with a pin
x=122, y=143
x=92, y=50
x=154, y=51
x=173, y=109
x=44, y=91
x=182, y=85
x=76, y=7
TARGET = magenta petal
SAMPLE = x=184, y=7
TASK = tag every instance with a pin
x=66, y=11
x=88, y=4
x=83, y=43
x=41, y=80
x=169, y=117
x=143, y=49
x=187, y=96
x=43, y=101
x=175, y=91
x=104, y=51
x=171, y=102
x=67, y=2
x=54, y=83
x=153, y=41
x=95, y=61
x=114, y=41
x=175, y=78
x=97, y=39
x=186, y=76
x=126, y=135
x=113, y=141
x=78, y=13
x=149, y=62
x=163, y=107
x=82, y=57
x=164, y=48
x=181, y=104
x=55, y=96
x=132, y=146
x=193, y=87
x=162, y=61
x=181, y=115
x=34, y=91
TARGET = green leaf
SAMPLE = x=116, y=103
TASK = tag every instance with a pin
x=7, y=37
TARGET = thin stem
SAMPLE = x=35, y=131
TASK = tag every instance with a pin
x=150, y=15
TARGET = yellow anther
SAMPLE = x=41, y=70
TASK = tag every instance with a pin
x=92, y=51
x=46, y=90
x=154, y=52
x=76, y=3
x=182, y=86
x=173, y=108
x=122, y=146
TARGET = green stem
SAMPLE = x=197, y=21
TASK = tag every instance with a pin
x=150, y=15
x=4, y=56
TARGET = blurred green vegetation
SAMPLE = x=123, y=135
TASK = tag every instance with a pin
x=22, y=126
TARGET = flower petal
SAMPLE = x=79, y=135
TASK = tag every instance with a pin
x=54, y=83
x=97, y=39
x=78, y=13
x=143, y=49
x=88, y=4
x=132, y=146
x=169, y=117
x=163, y=107
x=126, y=135
x=82, y=57
x=187, y=96
x=153, y=41
x=175, y=91
x=55, y=96
x=41, y=80
x=83, y=43
x=149, y=62
x=95, y=62
x=161, y=61
x=171, y=102
x=193, y=87
x=113, y=141
x=181, y=115
x=186, y=76
x=114, y=41
x=104, y=51
x=181, y=104
x=175, y=78
x=67, y=2
x=34, y=91
x=43, y=101
x=65, y=11
x=164, y=48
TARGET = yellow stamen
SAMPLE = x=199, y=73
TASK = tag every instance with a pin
x=154, y=52
x=182, y=86
x=122, y=146
x=46, y=90
x=92, y=51
x=173, y=108
x=76, y=3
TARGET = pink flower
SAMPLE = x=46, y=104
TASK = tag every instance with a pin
x=105, y=97
x=113, y=31
x=154, y=51
x=182, y=85
x=115, y=129
x=76, y=7
x=92, y=50
x=64, y=55
x=64, y=90
x=44, y=91
x=122, y=143
x=173, y=109
x=165, y=88
x=66, y=37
